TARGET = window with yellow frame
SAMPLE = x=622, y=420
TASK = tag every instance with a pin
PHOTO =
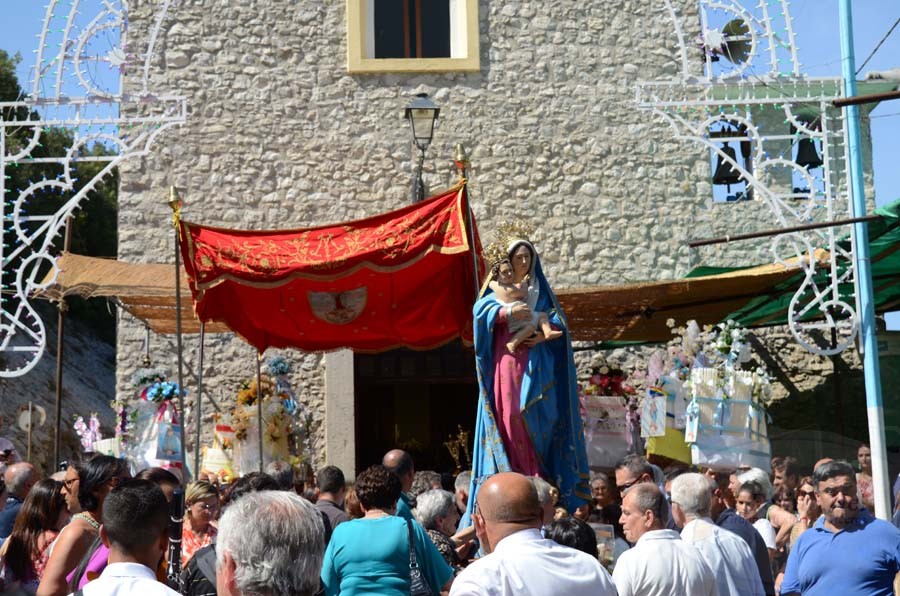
x=412, y=36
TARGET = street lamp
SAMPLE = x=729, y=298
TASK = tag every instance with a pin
x=422, y=114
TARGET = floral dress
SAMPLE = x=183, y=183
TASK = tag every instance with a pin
x=191, y=542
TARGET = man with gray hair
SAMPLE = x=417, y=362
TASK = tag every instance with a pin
x=545, y=496
x=729, y=557
x=270, y=542
x=461, y=490
x=659, y=563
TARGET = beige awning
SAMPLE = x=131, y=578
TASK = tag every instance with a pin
x=146, y=290
x=638, y=312
x=635, y=312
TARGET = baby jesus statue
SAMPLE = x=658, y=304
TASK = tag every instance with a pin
x=511, y=294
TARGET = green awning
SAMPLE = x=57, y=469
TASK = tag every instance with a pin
x=771, y=307
x=758, y=296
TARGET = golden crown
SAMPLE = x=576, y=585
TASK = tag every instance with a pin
x=505, y=234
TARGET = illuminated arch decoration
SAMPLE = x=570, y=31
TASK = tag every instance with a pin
x=77, y=84
x=744, y=61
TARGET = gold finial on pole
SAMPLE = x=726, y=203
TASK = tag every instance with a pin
x=176, y=204
x=461, y=160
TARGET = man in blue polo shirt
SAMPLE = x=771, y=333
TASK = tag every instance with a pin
x=400, y=463
x=847, y=551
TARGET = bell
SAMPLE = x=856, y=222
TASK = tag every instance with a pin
x=725, y=172
x=807, y=156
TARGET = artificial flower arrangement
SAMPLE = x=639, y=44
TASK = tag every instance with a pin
x=286, y=423
x=88, y=433
x=163, y=391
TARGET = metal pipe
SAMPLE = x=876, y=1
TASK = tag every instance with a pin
x=871, y=368
x=60, y=337
x=767, y=233
x=198, y=407
x=842, y=102
x=259, y=411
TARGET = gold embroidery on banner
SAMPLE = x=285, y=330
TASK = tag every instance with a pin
x=442, y=233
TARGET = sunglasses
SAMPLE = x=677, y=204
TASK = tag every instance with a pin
x=806, y=493
x=627, y=485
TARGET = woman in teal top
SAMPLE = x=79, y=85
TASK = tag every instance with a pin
x=371, y=555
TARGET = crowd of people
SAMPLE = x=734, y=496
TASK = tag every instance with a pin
x=93, y=529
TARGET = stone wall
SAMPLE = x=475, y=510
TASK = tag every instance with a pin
x=89, y=368
x=279, y=135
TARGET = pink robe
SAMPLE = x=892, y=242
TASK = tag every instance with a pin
x=509, y=369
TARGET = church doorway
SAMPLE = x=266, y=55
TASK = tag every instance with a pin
x=417, y=401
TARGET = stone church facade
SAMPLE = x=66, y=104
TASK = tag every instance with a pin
x=281, y=135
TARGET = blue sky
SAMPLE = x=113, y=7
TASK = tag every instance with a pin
x=817, y=35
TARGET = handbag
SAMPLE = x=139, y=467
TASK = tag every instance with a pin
x=418, y=585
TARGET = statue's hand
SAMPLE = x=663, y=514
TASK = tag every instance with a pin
x=535, y=339
x=521, y=311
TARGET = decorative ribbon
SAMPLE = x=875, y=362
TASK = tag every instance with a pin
x=163, y=408
x=721, y=412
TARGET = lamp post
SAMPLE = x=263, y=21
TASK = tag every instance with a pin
x=422, y=114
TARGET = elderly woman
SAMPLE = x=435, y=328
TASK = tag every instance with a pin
x=201, y=507
x=96, y=478
x=371, y=555
x=437, y=512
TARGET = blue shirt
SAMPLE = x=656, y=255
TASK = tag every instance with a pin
x=8, y=516
x=403, y=508
x=371, y=556
x=731, y=521
x=862, y=559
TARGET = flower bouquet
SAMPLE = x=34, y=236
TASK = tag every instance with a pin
x=285, y=422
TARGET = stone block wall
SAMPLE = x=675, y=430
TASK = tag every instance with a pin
x=279, y=135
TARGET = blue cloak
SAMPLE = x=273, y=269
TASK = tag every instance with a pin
x=549, y=404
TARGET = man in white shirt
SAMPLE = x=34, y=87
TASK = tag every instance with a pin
x=659, y=563
x=520, y=562
x=729, y=557
x=136, y=530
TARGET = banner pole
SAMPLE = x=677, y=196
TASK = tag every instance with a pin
x=259, y=410
x=175, y=203
x=199, y=405
x=864, y=286
x=462, y=164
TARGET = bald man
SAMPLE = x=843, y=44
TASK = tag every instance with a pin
x=507, y=519
x=19, y=479
x=401, y=463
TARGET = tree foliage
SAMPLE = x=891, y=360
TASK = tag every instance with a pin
x=94, y=227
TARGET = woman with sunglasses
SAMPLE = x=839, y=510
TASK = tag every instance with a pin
x=201, y=507
x=807, y=508
x=96, y=478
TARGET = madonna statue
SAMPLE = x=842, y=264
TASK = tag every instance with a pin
x=528, y=414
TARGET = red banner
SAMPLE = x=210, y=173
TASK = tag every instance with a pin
x=403, y=278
